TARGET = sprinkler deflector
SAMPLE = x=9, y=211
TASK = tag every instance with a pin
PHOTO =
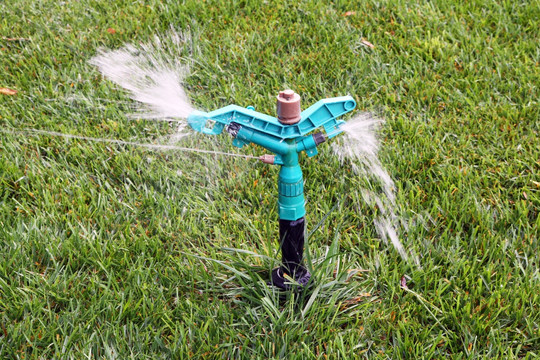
x=286, y=136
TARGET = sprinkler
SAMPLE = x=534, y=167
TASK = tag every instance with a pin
x=292, y=132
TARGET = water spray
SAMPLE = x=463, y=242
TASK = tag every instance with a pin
x=160, y=147
x=292, y=132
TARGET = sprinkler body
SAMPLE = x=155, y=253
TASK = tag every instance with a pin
x=286, y=136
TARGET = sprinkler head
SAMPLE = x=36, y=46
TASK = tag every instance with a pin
x=285, y=139
x=288, y=107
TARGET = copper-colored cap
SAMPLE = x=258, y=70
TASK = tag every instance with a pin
x=267, y=159
x=288, y=107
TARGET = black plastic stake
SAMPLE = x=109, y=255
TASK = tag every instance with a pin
x=292, y=237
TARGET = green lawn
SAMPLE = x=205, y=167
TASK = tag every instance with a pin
x=110, y=251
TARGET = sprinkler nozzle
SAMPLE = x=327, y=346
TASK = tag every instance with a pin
x=233, y=129
x=319, y=138
x=268, y=159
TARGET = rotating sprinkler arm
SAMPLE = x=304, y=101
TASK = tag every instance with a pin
x=323, y=113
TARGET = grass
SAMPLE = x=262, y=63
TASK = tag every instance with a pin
x=110, y=251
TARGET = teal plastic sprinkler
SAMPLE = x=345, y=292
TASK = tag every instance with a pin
x=291, y=133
